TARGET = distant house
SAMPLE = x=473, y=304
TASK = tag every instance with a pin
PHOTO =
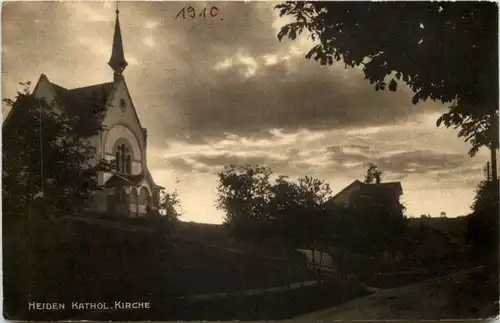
x=345, y=197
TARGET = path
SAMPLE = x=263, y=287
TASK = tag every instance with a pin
x=452, y=296
x=252, y=292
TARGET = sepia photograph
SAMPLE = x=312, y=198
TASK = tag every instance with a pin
x=309, y=161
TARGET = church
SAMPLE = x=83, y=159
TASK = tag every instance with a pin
x=129, y=190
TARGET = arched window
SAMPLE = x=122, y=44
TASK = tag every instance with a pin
x=123, y=160
x=134, y=196
x=143, y=196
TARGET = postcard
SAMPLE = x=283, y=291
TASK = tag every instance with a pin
x=251, y=161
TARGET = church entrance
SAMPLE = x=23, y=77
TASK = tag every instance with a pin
x=126, y=198
x=134, y=202
x=144, y=201
x=122, y=201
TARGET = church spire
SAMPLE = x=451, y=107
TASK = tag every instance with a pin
x=117, y=60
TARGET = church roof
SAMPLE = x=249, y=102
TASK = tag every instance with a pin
x=81, y=100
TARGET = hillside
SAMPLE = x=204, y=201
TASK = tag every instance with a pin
x=88, y=259
x=453, y=228
x=216, y=236
x=449, y=224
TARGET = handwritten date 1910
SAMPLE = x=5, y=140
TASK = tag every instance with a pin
x=192, y=13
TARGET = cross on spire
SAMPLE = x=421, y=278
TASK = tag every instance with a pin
x=117, y=60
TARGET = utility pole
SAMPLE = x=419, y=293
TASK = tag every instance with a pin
x=494, y=146
x=487, y=171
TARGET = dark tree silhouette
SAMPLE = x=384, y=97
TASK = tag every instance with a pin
x=48, y=160
x=257, y=206
x=482, y=224
x=166, y=216
x=49, y=172
x=243, y=194
x=169, y=205
x=443, y=51
x=373, y=175
x=297, y=209
x=375, y=222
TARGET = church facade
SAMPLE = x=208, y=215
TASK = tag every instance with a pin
x=129, y=189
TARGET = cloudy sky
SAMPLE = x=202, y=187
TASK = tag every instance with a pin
x=224, y=91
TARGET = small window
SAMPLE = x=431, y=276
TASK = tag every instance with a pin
x=123, y=104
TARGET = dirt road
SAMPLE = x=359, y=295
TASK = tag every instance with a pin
x=465, y=294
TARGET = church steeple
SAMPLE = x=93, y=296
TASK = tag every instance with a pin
x=117, y=60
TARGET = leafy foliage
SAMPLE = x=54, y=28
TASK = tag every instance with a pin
x=443, y=51
x=487, y=197
x=257, y=205
x=169, y=205
x=374, y=221
x=168, y=212
x=298, y=209
x=243, y=193
x=49, y=163
x=49, y=172
x=482, y=224
x=373, y=175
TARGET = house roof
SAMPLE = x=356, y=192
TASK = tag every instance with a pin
x=389, y=187
x=356, y=182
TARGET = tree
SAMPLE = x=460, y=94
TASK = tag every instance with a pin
x=482, y=224
x=164, y=218
x=298, y=209
x=284, y=206
x=256, y=205
x=243, y=194
x=49, y=162
x=313, y=194
x=375, y=221
x=313, y=191
x=373, y=175
x=49, y=171
x=169, y=205
x=443, y=51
